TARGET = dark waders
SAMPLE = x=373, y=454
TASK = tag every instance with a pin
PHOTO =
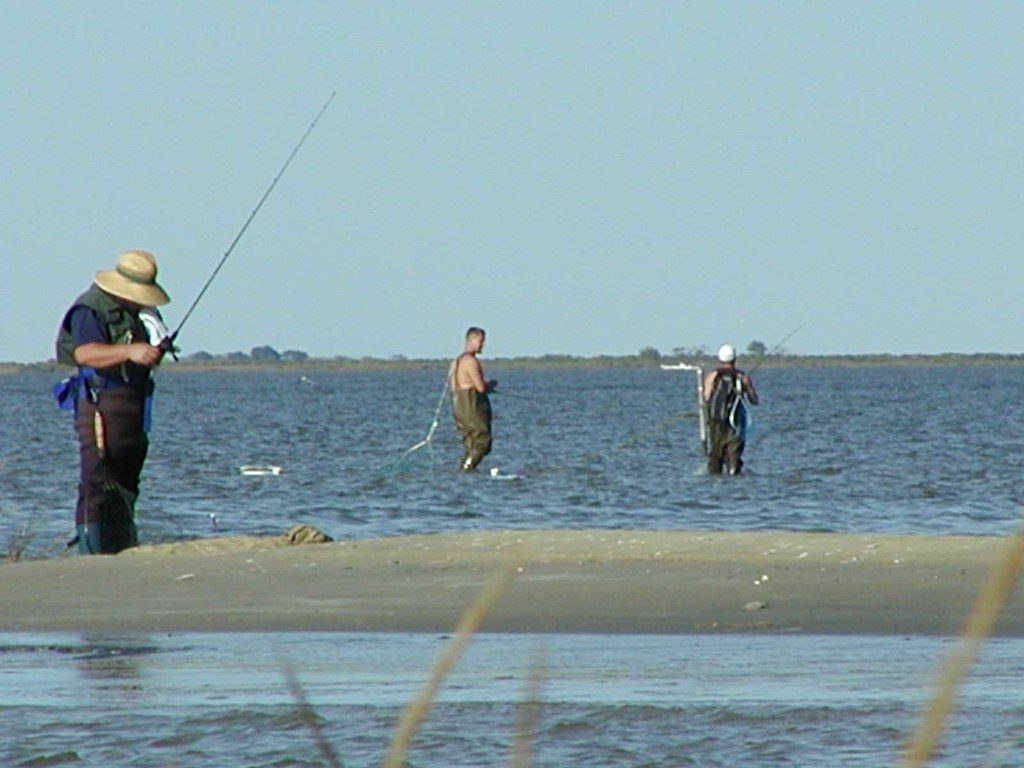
x=726, y=449
x=109, y=479
x=472, y=412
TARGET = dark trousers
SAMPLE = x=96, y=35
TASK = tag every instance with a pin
x=472, y=412
x=107, y=486
x=726, y=449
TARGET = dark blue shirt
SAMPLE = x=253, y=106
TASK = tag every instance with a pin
x=87, y=328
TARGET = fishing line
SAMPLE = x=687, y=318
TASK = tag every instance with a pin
x=168, y=344
x=425, y=442
x=750, y=435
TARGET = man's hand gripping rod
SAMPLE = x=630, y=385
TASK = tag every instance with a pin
x=167, y=345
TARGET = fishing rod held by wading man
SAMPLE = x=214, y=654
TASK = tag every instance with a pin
x=115, y=337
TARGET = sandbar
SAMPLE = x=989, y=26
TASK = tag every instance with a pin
x=580, y=581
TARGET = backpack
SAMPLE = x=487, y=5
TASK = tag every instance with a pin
x=724, y=396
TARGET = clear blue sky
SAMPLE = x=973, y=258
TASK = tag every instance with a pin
x=579, y=177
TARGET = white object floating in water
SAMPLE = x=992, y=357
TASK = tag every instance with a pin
x=259, y=469
x=497, y=475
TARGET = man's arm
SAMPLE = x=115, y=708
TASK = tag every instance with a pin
x=475, y=373
x=98, y=355
x=709, y=385
x=748, y=388
x=93, y=347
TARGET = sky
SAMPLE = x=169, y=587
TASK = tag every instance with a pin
x=576, y=177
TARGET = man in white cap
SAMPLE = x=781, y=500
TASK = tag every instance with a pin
x=104, y=335
x=725, y=390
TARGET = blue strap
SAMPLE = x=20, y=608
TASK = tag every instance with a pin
x=69, y=391
x=147, y=408
x=85, y=384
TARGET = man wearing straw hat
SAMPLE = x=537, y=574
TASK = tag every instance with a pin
x=111, y=333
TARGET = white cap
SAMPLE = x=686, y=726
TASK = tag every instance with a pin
x=727, y=354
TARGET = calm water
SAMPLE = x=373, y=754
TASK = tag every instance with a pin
x=750, y=702
x=909, y=450
x=912, y=450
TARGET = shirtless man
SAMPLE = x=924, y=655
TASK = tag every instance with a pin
x=470, y=405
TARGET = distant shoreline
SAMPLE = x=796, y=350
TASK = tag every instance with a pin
x=554, y=362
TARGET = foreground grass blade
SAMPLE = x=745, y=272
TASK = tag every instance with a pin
x=310, y=719
x=471, y=621
x=993, y=596
x=528, y=715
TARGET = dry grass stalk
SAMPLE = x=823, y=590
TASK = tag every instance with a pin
x=309, y=718
x=470, y=622
x=994, y=595
x=18, y=542
x=528, y=716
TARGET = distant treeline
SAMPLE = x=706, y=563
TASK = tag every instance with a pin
x=266, y=357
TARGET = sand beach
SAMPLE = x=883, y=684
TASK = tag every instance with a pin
x=582, y=581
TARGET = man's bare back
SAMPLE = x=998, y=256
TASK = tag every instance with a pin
x=468, y=373
x=470, y=405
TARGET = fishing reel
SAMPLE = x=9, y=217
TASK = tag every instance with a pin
x=159, y=335
x=168, y=348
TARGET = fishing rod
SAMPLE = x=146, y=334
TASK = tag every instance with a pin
x=775, y=349
x=167, y=345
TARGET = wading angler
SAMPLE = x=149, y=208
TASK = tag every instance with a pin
x=726, y=392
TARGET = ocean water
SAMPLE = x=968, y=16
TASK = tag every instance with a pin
x=868, y=449
x=894, y=449
x=615, y=701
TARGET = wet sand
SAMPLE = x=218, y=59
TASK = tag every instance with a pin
x=566, y=581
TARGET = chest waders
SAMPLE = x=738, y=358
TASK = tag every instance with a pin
x=726, y=420
x=472, y=412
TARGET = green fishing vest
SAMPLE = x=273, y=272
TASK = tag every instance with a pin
x=123, y=325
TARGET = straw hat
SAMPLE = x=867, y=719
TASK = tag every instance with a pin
x=134, y=279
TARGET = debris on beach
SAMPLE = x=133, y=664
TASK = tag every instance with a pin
x=306, y=534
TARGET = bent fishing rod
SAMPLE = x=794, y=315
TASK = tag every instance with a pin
x=167, y=345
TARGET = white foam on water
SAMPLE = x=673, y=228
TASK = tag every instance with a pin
x=497, y=474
